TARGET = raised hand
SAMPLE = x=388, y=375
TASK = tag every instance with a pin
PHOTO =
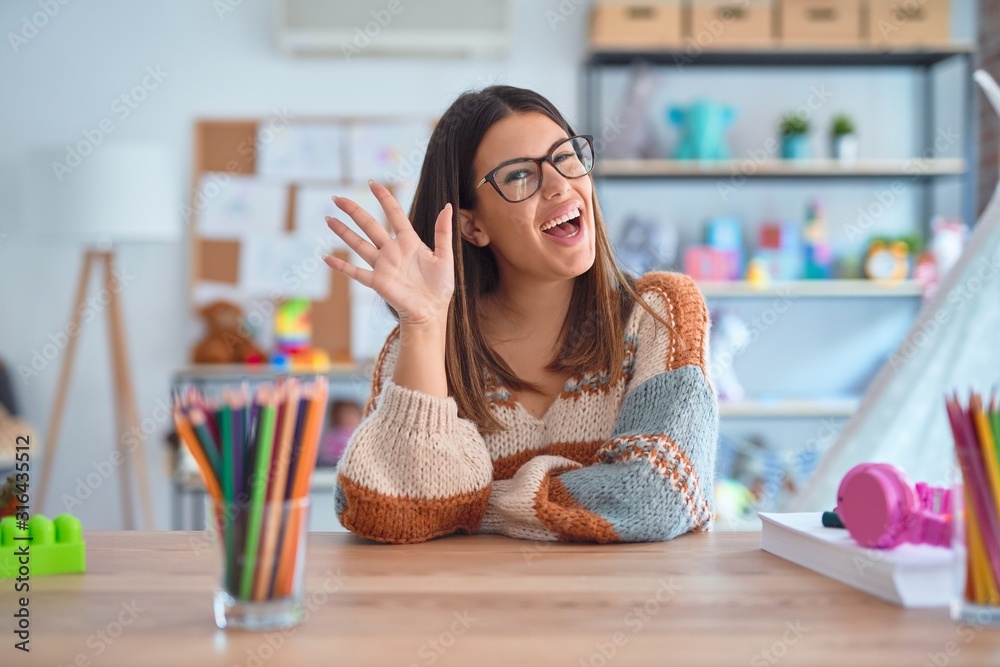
x=415, y=280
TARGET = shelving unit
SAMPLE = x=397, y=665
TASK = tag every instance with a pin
x=923, y=170
x=800, y=408
x=870, y=168
x=835, y=56
x=789, y=415
x=811, y=289
x=210, y=373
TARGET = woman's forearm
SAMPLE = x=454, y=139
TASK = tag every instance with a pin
x=421, y=365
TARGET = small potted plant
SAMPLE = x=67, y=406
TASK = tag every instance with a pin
x=843, y=140
x=794, y=136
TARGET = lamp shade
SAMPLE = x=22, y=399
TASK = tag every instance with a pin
x=119, y=192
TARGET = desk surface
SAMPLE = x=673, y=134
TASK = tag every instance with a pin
x=712, y=599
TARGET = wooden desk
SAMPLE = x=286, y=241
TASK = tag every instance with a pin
x=712, y=599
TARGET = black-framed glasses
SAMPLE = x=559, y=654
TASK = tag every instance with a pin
x=518, y=179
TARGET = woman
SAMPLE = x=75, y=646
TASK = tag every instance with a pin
x=530, y=389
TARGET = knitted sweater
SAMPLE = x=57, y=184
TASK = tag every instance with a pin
x=631, y=461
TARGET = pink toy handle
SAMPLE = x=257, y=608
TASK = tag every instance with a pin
x=934, y=499
x=935, y=530
x=936, y=525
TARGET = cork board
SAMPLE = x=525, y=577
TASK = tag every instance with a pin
x=229, y=147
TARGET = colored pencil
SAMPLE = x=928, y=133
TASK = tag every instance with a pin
x=226, y=431
x=300, y=427
x=978, y=569
x=301, y=409
x=276, y=494
x=995, y=424
x=303, y=474
x=987, y=449
x=242, y=486
x=258, y=485
x=199, y=421
x=188, y=437
x=237, y=444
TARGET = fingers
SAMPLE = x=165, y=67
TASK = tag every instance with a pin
x=442, y=234
x=365, y=249
x=394, y=213
x=363, y=276
x=372, y=227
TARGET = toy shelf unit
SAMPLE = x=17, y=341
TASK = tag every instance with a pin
x=789, y=408
x=802, y=168
x=830, y=288
x=815, y=341
x=923, y=167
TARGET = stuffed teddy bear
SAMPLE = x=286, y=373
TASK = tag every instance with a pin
x=225, y=341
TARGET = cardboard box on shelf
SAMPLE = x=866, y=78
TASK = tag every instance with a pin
x=821, y=23
x=725, y=23
x=653, y=24
x=909, y=22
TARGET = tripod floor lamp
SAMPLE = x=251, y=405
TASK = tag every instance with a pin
x=120, y=193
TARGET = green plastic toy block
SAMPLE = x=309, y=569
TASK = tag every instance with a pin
x=55, y=546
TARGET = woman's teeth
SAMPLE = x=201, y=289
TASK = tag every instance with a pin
x=561, y=219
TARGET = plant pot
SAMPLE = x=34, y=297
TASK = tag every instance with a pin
x=795, y=146
x=844, y=147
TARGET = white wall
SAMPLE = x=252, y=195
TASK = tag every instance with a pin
x=64, y=80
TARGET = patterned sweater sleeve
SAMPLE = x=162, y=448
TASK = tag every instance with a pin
x=412, y=470
x=653, y=479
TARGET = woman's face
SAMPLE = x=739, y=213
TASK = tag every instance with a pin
x=514, y=231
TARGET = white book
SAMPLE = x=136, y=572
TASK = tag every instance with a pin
x=911, y=575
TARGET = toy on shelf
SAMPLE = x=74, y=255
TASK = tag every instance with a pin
x=55, y=546
x=703, y=130
x=725, y=234
x=733, y=503
x=758, y=273
x=729, y=336
x=636, y=141
x=344, y=417
x=647, y=245
x=888, y=259
x=780, y=247
x=226, y=340
x=947, y=242
x=769, y=474
x=293, y=338
x=709, y=264
x=818, y=252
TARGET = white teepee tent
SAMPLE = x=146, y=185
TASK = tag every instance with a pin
x=954, y=345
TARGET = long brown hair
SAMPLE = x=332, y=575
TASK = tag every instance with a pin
x=603, y=296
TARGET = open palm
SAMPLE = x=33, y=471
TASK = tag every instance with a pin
x=415, y=280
